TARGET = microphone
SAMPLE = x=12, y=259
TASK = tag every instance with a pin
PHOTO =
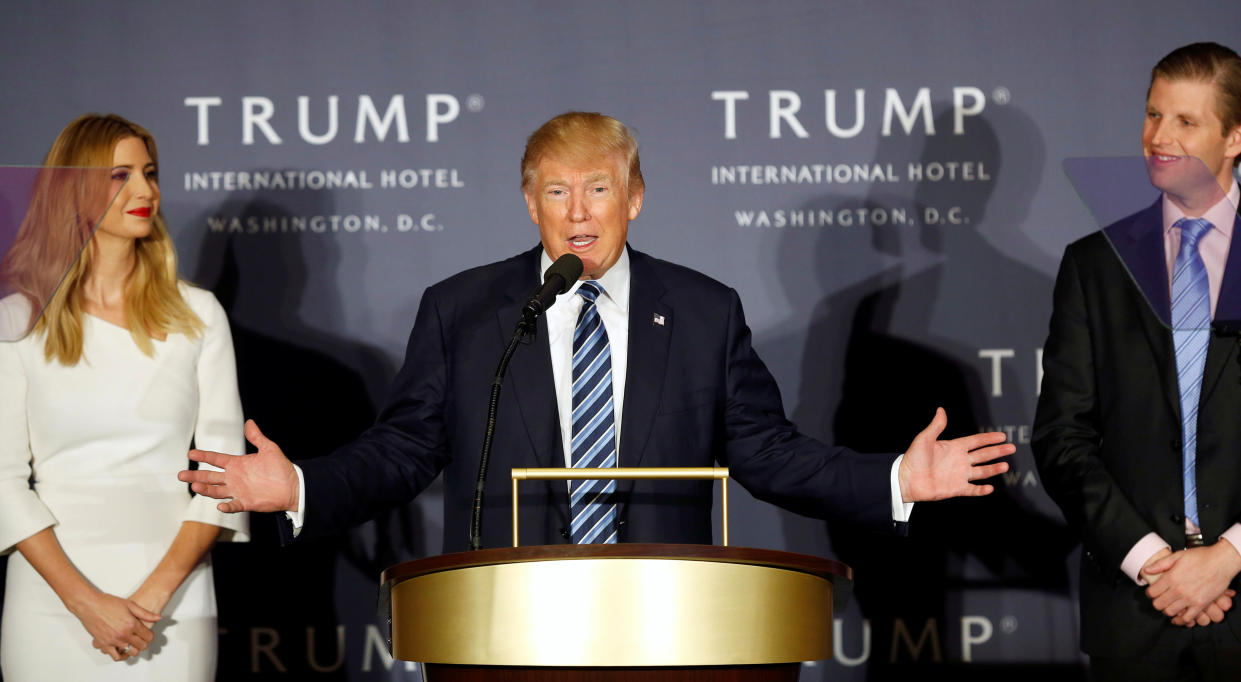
x=557, y=280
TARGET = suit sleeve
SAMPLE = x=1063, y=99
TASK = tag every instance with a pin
x=401, y=454
x=776, y=463
x=1068, y=429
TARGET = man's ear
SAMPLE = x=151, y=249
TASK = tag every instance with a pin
x=532, y=207
x=635, y=203
x=1232, y=143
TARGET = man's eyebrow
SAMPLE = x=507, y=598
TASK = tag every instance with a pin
x=593, y=177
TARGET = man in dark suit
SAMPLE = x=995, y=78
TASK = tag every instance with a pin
x=667, y=378
x=1138, y=430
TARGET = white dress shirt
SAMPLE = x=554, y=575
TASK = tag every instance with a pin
x=613, y=307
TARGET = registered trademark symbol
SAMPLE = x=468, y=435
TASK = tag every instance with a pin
x=1008, y=624
x=474, y=103
x=1001, y=95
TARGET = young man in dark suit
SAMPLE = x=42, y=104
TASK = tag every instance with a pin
x=1138, y=430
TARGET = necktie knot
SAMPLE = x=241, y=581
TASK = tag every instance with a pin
x=590, y=290
x=1192, y=229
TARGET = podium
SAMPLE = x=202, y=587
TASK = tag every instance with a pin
x=613, y=612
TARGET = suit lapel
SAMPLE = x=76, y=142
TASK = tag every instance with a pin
x=649, y=340
x=532, y=385
x=1139, y=245
x=530, y=372
x=1227, y=308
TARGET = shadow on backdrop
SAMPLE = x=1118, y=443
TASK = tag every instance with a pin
x=302, y=611
x=919, y=301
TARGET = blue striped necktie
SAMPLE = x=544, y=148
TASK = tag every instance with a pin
x=594, y=427
x=1191, y=323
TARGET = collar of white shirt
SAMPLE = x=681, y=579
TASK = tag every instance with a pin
x=615, y=283
x=1221, y=215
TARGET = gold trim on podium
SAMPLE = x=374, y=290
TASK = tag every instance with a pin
x=617, y=473
x=721, y=608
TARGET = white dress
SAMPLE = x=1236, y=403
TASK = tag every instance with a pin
x=103, y=441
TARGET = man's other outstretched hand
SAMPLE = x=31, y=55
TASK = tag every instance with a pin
x=938, y=469
x=264, y=481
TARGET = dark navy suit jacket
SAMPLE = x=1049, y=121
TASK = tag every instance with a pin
x=1107, y=433
x=696, y=395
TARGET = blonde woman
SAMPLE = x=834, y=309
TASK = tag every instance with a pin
x=111, y=577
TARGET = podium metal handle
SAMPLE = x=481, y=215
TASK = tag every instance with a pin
x=616, y=473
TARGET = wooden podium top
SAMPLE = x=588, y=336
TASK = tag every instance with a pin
x=805, y=563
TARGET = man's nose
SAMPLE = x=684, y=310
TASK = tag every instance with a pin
x=1163, y=134
x=578, y=210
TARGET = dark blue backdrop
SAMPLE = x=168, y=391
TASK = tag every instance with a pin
x=880, y=181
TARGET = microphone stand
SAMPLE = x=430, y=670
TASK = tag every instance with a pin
x=557, y=280
x=525, y=328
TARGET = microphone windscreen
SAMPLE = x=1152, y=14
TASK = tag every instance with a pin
x=569, y=267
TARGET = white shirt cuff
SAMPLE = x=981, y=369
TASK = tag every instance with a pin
x=1233, y=536
x=900, y=508
x=1141, y=553
x=298, y=517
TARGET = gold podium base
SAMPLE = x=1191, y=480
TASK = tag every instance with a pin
x=783, y=672
x=612, y=612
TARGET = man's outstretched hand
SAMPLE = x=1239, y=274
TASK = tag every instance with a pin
x=938, y=469
x=264, y=481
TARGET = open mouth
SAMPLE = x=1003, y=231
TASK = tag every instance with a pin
x=582, y=241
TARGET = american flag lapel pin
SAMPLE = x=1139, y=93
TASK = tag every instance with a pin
x=658, y=319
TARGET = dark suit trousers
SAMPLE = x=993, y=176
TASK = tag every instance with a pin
x=1198, y=654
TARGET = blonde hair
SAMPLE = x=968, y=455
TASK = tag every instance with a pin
x=65, y=208
x=582, y=137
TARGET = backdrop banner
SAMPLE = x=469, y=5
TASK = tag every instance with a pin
x=882, y=183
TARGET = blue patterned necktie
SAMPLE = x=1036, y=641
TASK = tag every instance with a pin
x=594, y=428
x=1191, y=323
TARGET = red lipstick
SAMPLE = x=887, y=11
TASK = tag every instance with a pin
x=143, y=212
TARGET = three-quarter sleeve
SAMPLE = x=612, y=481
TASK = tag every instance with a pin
x=219, y=423
x=22, y=513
